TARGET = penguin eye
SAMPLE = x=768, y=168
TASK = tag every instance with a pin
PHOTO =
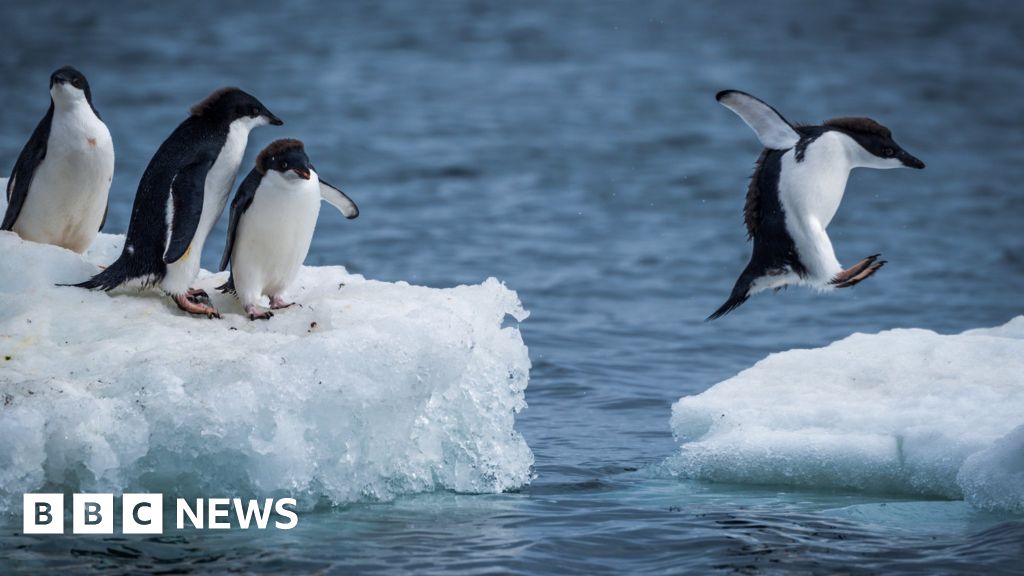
x=888, y=152
x=284, y=165
x=255, y=111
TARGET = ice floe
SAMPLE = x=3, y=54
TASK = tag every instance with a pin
x=903, y=411
x=369, y=390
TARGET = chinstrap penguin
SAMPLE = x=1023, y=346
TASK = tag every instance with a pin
x=273, y=216
x=57, y=193
x=182, y=194
x=795, y=191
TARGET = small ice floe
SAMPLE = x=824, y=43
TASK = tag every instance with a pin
x=367, y=391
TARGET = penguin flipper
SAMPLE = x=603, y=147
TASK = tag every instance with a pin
x=187, y=190
x=772, y=129
x=25, y=169
x=339, y=200
x=243, y=199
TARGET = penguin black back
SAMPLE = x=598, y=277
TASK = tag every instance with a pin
x=765, y=219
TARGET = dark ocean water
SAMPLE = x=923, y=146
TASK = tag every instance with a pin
x=574, y=150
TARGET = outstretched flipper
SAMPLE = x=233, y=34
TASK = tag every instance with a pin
x=338, y=199
x=772, y=129
x=858, y=272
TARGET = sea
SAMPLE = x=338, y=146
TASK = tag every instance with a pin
x=575, y=151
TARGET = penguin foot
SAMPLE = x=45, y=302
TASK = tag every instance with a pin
x=197, y=293
x=858, y=272
x=255, y=313
x=277, y=303
x=192, y=306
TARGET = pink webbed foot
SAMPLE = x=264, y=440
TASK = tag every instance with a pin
x=197, y=293
x=193, y=306
x=277, y=303
x=256, y=313
x=858, y=272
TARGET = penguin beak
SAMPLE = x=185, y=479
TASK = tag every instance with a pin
x=910, y=161
x=60, y=78
x=302, y=172
x=274, y=120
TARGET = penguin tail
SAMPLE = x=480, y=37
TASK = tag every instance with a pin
x=734, y=302
x=228, y=287
x=110, y=278
x=740, y=294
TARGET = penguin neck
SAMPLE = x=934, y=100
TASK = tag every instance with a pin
x=854, y=154
x=71, y=106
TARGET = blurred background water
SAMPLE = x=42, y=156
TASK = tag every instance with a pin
x=574, y=150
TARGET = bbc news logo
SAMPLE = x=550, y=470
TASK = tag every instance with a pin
x=144, y=513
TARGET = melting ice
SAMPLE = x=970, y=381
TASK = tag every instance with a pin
x=368, y=391
x=907, y=411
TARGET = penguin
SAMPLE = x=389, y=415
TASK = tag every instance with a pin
x=57, y=192
x=273, y=216
x=796, y=188
x=182, y=194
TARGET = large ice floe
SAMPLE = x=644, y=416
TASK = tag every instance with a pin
x=368, y=391
x=904, y=411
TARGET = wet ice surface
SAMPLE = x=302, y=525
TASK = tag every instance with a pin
x=575, y=152
x=361, y=391
x=904, y=411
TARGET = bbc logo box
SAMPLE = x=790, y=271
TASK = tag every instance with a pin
x=93, y=514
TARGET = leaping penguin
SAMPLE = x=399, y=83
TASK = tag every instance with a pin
x=795, y=191
x=57, y=193
x=272, y=220
x=182, y=194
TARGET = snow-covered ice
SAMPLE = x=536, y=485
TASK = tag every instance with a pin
x=368, y=391
x=904, y=411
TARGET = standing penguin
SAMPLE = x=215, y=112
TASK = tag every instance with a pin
x=182, y=194
x=57, y=193
x=794, y=193
x=272, y=220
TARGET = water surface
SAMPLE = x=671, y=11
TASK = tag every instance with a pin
x=575, y=151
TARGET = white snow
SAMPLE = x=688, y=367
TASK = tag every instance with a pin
x=904, y=411
x=368, y=391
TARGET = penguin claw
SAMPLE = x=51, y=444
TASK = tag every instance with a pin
x=859, y=271
x=862, y=275
x=195, y=294
x=257, y=314
x=188, y=304
x=278, y=303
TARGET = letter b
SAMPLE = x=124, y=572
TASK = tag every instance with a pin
x=43, y=514
x=92, y=514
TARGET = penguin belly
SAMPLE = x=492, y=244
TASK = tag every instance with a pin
x=810, y=192
x=68, y=195
x=273, y=238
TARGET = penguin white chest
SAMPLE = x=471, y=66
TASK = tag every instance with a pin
x=274, y=236
x=67, y=198
x=814, y=186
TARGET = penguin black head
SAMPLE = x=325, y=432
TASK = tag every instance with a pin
x=876, y=140
x=287, y=157
x=230, y=104
x=68, y=85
